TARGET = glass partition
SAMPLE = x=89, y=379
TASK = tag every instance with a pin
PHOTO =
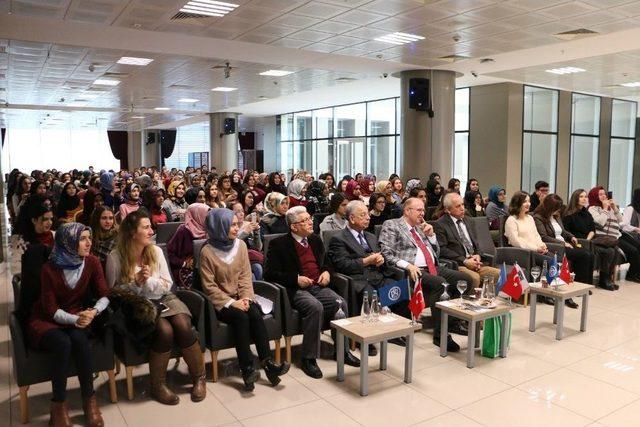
x=585, y=141
x=622, y=150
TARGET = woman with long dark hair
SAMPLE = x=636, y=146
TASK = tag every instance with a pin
x=105, y=232
x=69, y=204
x=275, y=184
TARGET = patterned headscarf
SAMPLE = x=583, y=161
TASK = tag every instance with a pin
x=411, y=184
x=194, y=220
x=273, y=201
x=106, y=181
x=65, y=249
x=295, y=188
x=218, y=225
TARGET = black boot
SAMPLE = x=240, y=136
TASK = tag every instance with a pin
x=274, y=371
x=250, y=376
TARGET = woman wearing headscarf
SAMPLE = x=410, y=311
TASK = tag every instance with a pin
x=411, y=184
x=175, y=205
x=297, y=189
x=180, y=247
x=132, y=201
x=329, y=180
x=105, y=232
x=275, y=184
x=274, y=221
x=367, y=187
x=138, y=266
x=153, y=200
x=496, y=208
x=391, y=210
x=317, y=197
x=434, y=193
x=69, y=204
x=106, y=188
x=353, y=191
x=73, y=293
x=473, y=204
x=434, y=176
x=226, y=280
x=195, y=195
x=337, y=209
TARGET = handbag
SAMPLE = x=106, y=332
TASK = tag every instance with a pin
x=491, y=336
x=256, y=256
x=606, y=241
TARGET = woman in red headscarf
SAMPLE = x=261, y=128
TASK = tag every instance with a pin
x=353, y=190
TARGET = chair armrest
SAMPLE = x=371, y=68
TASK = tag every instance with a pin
x=558, y=248
x=449, y=263
x=288, y=323
x=273, y=293
x=510, y=255
x=196, y=303
x=210, y=316
x=340, y=283
x=586, y=244
x=17, y=339
x=397, y=273
x=488, y=259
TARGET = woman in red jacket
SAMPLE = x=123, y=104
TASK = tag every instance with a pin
x=60, y=319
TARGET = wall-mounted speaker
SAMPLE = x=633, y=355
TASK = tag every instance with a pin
x=229, y=126
x=419, y=94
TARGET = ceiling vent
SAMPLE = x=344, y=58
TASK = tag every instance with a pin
x=113, y=74
x=345, y=79
x=575, y=34
x=179, y=86
x=453, y=58
x=184, y=15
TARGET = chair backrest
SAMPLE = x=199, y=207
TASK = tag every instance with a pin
x=428, y=214
x=377, y=229
x=327, y=235
x=502, y=241
x=483, y=235
x=197, y=248
x=165, y=252
x=317, y=220
x=16, y=282
x=266, y=241
x=166, y=230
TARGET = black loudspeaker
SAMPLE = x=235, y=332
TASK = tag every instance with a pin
x=168, y=136
x=419, y=94
x=151, y=138
x=229, y=126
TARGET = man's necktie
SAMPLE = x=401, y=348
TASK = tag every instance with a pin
x=465, y=242
x=427, y=255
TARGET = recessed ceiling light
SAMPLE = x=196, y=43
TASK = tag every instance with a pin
x=161, y=108
x=276, y=73
x=399, y=38
x=632, y=84
x=188, y=100
x=208, y=7
x=566, y=70
x=130, y=60
x=224, y=89
x=138, y=117
x=107, y=82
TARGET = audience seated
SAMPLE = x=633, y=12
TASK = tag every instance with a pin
x=453, y=186
x=541, y=191
x=131, y=201
x=37, y=227
x=316, y=195
x=276, y=205
x=175, y=205
x=474, y=204
x=336, y=219
x=398, y=190
x=180, y=246
x=297, y=262
x=377, y=211
x=434, y=193
x=275, y=184
x=227, y=193
x=297, y=189
x=496, y=207
x=69, y=204
x=153, y=201
x=105, y=233
x=250, y=234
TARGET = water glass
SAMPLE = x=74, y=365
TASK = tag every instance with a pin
x=445, y=296
x=462, y=287
x=535, y=273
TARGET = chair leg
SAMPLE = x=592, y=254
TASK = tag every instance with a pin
x=526, y=299
x=24, y=404
x=117, y=366
x=287, y=344
x=129, y=373
x=214, y=366
x=352, y=344
x=113, y=393
x=278, y=350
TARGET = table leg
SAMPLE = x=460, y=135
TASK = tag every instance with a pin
x=408, y=358
x=383, y=356
x=555, y=311
x=560, y=325
x=340, y=355
x=471, y=340
x=477, y=341
x=503, y=334
x=444, y=331
x=364, y=368
x=533, y=303
x=583, y=317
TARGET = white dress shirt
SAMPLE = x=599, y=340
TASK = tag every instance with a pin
x=419, y=261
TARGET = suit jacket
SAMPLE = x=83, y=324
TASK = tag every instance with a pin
x=451, y=246
x=346, y=254
x=397, y=243
x=546, y=231
x=282, y=264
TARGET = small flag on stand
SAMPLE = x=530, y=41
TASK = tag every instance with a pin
x=502, y=279
x=512, y=286
x=565, y=272
x=416, y=303
x=552, y=271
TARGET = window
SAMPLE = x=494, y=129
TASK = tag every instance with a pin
x=539, y=137
x=623, y=132
x=461, y=141
x=189, y=139
x=585, y=136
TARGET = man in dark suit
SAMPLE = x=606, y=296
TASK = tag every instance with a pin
x=410, y=243
x=297, y=262
x=355, y=252
x=458, y=242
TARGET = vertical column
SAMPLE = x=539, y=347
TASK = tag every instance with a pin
x=135, y=147
x=223, y=148
x=564, y=145
x=604, y=151
x=427, y=142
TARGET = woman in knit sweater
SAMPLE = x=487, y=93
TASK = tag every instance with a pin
x=226, y=280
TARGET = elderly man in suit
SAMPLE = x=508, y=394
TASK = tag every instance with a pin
x=297, y=262
x=457, y=240
x=411, y=244
x=356, y=253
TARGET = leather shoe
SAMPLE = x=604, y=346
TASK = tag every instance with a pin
x=250, y=376
x=571, y=303
x=607, y=286
x=452, y=346
x=546, y=300
x=400, y=341
x=311, y=368
x=373, y=351
x=349, y=359
x=459, y=329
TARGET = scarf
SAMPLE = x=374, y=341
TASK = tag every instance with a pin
x=351, y=187
x=194, y=220
x=106, y=181
x=493, y=196
x=218, y=224
x=65, y=249
x=295, y=189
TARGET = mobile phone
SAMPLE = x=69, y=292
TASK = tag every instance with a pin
x=609, y=195
x=163, y=307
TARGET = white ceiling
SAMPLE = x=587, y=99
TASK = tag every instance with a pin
x=50, y=45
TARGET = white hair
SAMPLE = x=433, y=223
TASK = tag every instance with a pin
x=352, y=206
x=447, y=202
x=292, y=214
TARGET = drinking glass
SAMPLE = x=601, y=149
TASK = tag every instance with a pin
x=340, y=313
x=445, y=296
x=462, y=287
x=535, y=273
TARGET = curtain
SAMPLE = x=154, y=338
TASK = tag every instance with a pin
x=118, y=141
x=3, y=131
x=167, y=143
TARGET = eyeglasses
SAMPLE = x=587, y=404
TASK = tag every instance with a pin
x=418, y=209
x=308, y=219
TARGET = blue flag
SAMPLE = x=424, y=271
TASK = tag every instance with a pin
x=394, y=293
x=502, y=279
x=552, y=270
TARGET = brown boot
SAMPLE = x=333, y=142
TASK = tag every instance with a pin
x=158, y=363
x=92, y=414
x=195, y=360
x=59, y=415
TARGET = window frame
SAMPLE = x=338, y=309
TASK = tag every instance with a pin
x=572, y=135
x=627, y=138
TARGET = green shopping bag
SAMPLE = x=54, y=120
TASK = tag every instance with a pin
x=491, y=336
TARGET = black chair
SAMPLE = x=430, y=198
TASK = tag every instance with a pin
x=166, y=230
x=495, y=256
x=317, y=220
x=33, y=366
x=377, y=229
x=266, y=241
x=429, y=211
x=219, y=335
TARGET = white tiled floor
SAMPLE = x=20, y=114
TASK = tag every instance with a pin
x=590, y=378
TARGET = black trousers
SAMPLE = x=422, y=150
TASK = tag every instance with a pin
x=631, y=249
x=608, y=259
x=64, y=344
x=247, y=326
x=433, y=288
x=581, y=262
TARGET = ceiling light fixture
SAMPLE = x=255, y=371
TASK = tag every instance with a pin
x=161, y=108
x=399, y=38
x=208, y=8
x=106, y=82
x=224, y=89
x=276, y=73
x=138, y=117
x=632, y=84
x=188, y=100
x=566, y=70
x=131, y=60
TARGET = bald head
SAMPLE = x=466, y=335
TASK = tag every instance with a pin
x=413, y=211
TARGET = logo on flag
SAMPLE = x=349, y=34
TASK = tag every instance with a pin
x=552, y=271
x=393, y=293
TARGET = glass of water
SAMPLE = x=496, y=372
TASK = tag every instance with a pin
x=445, y=295
x=461, y=285
x=535, y=273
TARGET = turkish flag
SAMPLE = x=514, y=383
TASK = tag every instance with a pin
x=565, y=273
x=513, y=287
x=416, y=303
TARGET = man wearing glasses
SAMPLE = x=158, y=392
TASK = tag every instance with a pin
x=297, y=262
x=411, y=244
